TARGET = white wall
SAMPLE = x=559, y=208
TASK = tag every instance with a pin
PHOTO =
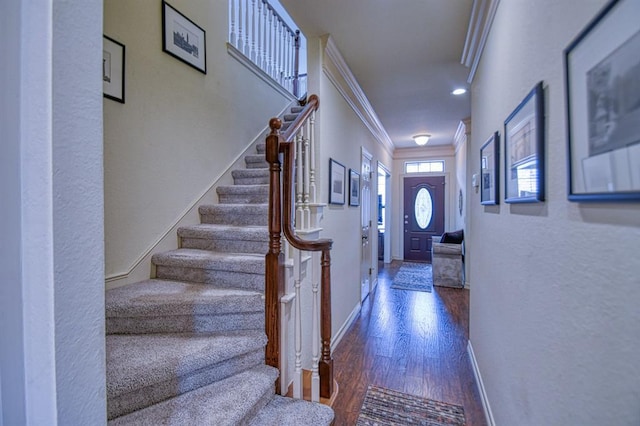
x=554, y=304
x=78, y=217
x=27, y=334
x=178, y=130
x=400, y=157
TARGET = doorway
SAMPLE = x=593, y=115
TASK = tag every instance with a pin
x=423, y=215
x=366, y=265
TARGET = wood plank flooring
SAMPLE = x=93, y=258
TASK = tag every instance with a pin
x=409, y=341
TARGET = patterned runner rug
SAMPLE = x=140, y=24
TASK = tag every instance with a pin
x=382, y=407
x=413, y=276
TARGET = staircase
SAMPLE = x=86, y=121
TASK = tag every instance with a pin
x=187, y=348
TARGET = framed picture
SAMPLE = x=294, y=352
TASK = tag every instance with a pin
x=354, y=188
x=183, y=39
x=112, y=69
x=336, y=182
x=602, y=79
x=489, y=170
x=524, y=150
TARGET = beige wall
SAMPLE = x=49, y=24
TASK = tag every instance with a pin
x=178, y=131
x=554, y=304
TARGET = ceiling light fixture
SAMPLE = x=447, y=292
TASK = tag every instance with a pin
x=459, y=91
x=421, y=139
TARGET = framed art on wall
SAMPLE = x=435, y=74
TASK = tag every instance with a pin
x=602, y=78
x=524, y=150
x=112, y=69
x=336, y=182
x=489, y=170
x=354, y=188
x=183, y=39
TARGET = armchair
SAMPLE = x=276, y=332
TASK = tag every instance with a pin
x=447, y=259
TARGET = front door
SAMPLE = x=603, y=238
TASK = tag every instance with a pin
x=366, y=266
x=423, y=215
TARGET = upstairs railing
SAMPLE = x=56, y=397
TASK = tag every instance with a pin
x=258, y=31
x=283, y=208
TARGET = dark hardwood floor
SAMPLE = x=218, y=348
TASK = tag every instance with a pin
x=409, y=341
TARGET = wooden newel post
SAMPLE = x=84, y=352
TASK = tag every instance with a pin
x=325, y=366
x=274, y=260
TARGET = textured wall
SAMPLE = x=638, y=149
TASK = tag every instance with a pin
x=178, y=130
x=554, y=304
x=78, y=212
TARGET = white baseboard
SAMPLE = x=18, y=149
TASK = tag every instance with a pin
x=483, y=393
x=341, y=332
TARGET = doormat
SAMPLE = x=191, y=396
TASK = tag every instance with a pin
x=383, y=407
x=414, y=276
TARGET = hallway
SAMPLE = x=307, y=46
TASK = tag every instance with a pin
x=413, y=342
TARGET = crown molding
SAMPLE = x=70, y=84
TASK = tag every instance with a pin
x=340, y=75
x=464, y=128
x=482, y=14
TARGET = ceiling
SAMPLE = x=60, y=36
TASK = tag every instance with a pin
x=405, y=55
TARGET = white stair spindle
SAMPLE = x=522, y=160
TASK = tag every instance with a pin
x=312, y=159
x=305, y=190
x=240, y=44
x=253, y=30
x=247, y=42
x=232, y=19
x=300, y=224
x=297, y=375
x=315, y=331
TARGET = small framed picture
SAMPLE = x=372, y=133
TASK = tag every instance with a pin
x=112, y=69
x=354, y=188
x=183, y=39
x=490, y=170
x=336, y=182
x=602, y=65
x=524, y=150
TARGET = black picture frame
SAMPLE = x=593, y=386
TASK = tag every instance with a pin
x=354, y=188
x=183, y=39
x=490, y=171
x=336, y=182
x=602, y=82
x=524, y=180
x=113, y=66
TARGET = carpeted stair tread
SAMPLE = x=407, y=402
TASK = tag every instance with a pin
x=145, y=369
x=250, y=176
x=226, y=232
x=231, y=401
x=256, y=161
x=194, y=258
x=158, y=306
x=235, y=214
x=241, y=194
x=282, y=411
x=296, y=109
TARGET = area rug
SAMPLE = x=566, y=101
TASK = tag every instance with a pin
x=383, y=407
x=414, y=276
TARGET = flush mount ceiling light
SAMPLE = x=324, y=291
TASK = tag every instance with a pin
x=421, y=139
x=459, y=91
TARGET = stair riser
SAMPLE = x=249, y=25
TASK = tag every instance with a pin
x=236, y=219
x=261, y=148
x=129, y=402
x=226, y=246
x=221, y=279
x=186, y=324
x=243, y=198
x=251, y=180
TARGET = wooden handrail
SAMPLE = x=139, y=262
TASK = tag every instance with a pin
x=280, y=220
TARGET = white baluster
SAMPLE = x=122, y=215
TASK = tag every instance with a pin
x=232, y=19
x=253, y=30
x=258, y=59
x=247, y=17
x=297, y=375
x=300, y=224
x=312, y=158
x=274, y=47
x=315, y=330
x=265, y=37
x=305, y=190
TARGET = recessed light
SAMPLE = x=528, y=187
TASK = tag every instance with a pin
x=459, y=91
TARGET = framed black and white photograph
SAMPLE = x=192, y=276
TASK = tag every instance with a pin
x=602, y=78
x=336, y=182
x=524, y=150
x=354, y=188
x=489, y=170
x=112, y=69
x=183, y=39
